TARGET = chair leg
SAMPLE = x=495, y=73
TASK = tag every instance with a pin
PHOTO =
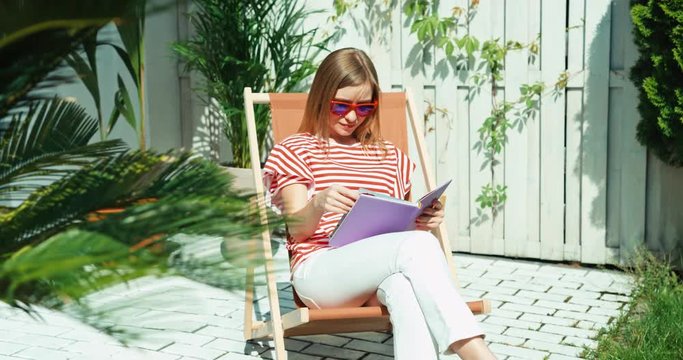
x=249, y=304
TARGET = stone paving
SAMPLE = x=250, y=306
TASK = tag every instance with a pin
x=540, y=311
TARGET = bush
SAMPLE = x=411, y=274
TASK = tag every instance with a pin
x=658, y=74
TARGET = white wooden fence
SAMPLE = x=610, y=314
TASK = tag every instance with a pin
x=576, y=175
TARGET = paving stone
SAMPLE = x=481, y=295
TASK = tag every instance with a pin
x=93, y=349
x=597, y=303
x=49, y=342
x=221, y=332
x=507, y=275
x=142, y=354
x=542, y=296
x=559, y=268
x=479, y=280
x=500, y=349
x=492, y=289
x=476, y=273
x=234, y=346
x=492, y=328
x=582, y=316
x=534, y=335
x=589, y=325
x=520, y=324
x=574, y=293
x=7, y=348
x=193, y=351
x=562, y=357
x=548, y=319
x=471, y=293
x=32, y=327
x=324, y=339
x=567, y=284
x=332, y=351
x=377, y=357
x=525, y=286
x=475, y=261
x=509, y=299
x=604, y=312
x=236, y=356
x=614, y=297
x=561, y=305
x=539, y=310
x=553, y=347
x=505, y=339
x=40, y=353
x=579, y=342
x=378, y=337
x=569, y=331
x=506, y=313
x=538, y=275
x=371, y=347
x=516, y=264
x=291, y=355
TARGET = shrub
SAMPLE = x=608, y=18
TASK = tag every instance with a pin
x=658, y=74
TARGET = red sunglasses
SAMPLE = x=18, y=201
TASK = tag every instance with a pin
x=342, y=108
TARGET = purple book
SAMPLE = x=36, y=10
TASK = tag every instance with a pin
x=375, y=214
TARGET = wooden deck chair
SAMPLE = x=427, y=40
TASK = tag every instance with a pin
x=287, y=112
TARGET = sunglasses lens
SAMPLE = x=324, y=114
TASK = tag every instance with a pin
x=365, y=110
x=340, y=108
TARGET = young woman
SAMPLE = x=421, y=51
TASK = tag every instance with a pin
x=314, y=177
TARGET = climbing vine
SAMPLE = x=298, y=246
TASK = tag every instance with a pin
x=486, y=61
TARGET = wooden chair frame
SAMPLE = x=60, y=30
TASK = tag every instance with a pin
x=304, y=321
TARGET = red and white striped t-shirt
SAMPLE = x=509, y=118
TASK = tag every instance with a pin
x=302, y=159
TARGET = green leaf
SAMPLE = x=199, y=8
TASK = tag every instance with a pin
x=126, y=105
x=115, y=112
x=449, y=48
x=128, y=62
x=86, y=74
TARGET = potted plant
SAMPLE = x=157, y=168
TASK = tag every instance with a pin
x=254, y=43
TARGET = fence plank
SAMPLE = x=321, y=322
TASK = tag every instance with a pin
x=481, y=230
x=594, y=135
x=452, y=142
x=517, y=242
x=413, y=78
x=552, y=146
x=634, y=155
x=573, y=124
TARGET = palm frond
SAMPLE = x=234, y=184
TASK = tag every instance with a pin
x=49, y=141
x=70, y=265
x=133, y=242
x=57, y=29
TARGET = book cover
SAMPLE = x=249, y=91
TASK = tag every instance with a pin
x=375, y=214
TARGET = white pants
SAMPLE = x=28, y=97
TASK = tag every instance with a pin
x=410, y=275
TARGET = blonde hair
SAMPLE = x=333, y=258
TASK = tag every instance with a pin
x=342, y=68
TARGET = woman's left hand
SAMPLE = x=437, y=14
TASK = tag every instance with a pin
x=431, y=217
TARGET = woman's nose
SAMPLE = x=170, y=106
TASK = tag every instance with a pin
x=351, y=115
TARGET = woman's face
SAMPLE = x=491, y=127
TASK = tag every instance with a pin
x=342, y=127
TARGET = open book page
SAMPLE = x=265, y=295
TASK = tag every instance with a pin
x=374, y=215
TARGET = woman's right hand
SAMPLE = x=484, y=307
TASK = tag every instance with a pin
x=335, y=198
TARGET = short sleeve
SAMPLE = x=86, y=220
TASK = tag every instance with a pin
x=285, y=167
x=404, y=170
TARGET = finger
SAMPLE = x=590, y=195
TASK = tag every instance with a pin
x=341, y=204
x=348, y=193
x=337, y=209
x=342, y=199
x=437, y=205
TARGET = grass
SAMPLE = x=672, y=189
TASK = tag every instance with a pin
x=652, y=328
